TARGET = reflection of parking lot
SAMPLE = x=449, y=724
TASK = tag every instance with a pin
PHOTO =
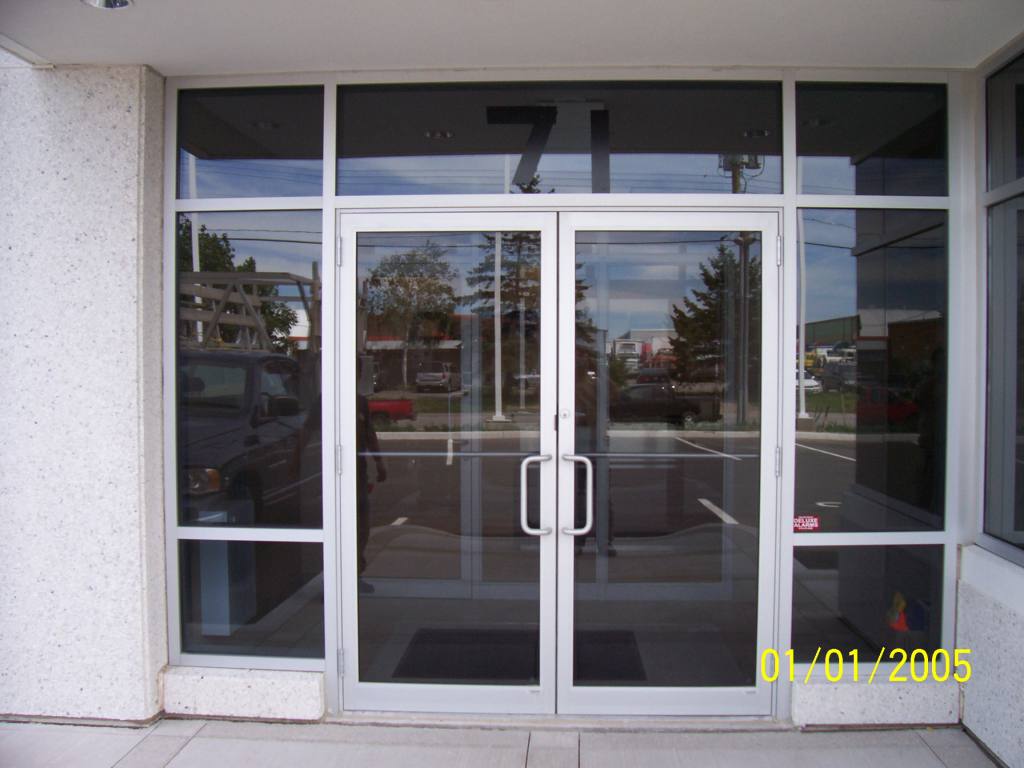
x=657, y=484
x=825, y=470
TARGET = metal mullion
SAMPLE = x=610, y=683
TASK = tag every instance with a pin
x=862, y=75
x=230, y=204
x=905, y=202
x=568, y=203
x=239, y=533
x=786, y=478
x=242, y=661
x=872, y=539
x=328, y=399
x=1000, y=548
x=1003, y=193
x=170, y=382
x=963, y=460
x=187, y=82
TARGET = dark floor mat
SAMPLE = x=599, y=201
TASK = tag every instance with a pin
x=608, y=656
x=509, y=656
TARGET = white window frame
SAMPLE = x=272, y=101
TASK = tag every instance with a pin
x=984, y=199
x=964, y=468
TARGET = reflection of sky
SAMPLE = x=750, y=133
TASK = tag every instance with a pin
x=908, y=275
x=278, y=241
x=643, y=275
x=831, y=270
x=558, y=172
x=250, y=178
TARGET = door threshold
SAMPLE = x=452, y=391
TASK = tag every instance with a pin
x=654, y=723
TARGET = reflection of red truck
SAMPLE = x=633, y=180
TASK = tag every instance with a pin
x=383, y=411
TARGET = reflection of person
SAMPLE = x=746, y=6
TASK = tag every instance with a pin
x=366, y=445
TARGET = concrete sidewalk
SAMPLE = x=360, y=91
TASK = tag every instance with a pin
x=195, y=743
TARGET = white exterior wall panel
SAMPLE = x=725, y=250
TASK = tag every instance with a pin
x=82, y=614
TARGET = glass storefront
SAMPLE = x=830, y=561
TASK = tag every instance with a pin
x=462, y=514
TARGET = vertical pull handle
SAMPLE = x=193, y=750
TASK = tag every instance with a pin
x=523, y=523
x=588, y=524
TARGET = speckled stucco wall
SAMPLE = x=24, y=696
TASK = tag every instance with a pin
x=82, y=606
x=990, y=621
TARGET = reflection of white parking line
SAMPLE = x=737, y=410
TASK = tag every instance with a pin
x=827, y=453
x=726, y=517
x=400, y=520
x=709, y=450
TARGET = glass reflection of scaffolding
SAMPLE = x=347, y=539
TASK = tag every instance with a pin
x=230, y=310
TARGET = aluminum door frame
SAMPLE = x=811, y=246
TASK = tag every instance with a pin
x=702, y=701
x=456, y=698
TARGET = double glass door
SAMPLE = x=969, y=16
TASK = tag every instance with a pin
x=558, y=479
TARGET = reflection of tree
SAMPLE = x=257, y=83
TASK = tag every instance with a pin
x=408, y=292
x=708, y=325
x=217, y=254
x=520, y=293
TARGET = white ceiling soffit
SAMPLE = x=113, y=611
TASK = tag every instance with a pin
x=200, y=37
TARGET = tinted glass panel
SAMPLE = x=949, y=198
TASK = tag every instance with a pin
x=248, y=333
x=1004, y=509
x=871, y=382
x=250, y=142
x=871, y=139
x=448, y=407
x=570, y=137
x=252, y=598
x=866, y=598
x=668, y=345
x=1005, y=105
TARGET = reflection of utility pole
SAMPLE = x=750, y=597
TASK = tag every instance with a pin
x=195, y=231
x=743, y=241
x=498, y=415
x=801, y=343
x=735, y=165
x=522, y=324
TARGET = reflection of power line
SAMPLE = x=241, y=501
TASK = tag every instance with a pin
x=891, y=247
x=274, y=240
x=830, y=223
x=290, y=231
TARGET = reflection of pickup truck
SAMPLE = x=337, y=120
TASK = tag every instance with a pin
x=248, y=445
x=653, y=403
x=385, y=411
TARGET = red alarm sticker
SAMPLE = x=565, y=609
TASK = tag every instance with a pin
x=806, y=523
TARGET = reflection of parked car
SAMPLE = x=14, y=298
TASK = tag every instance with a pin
x=653, y=376
x=653, y=402
x=836, y=376
x=439, y=376
x=884, y=405
x=811, y=384
x=384, y=411
x=243, y=435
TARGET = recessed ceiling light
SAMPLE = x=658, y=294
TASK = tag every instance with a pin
x=108, y=5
